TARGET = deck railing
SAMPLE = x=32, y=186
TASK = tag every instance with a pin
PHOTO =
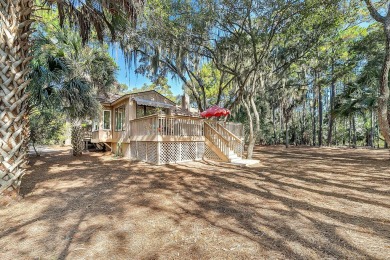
x=167, y=126
x=95, y=135
x=87, y=135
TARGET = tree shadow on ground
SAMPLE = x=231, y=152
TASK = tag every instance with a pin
x=95, y=206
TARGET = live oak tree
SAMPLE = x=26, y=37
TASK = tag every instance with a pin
x=160, y=84
x=383, y=99
x=170, y=42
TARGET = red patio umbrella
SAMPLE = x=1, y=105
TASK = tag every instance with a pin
x=215, y=111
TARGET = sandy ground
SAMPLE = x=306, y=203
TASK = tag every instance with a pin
x=300, y=203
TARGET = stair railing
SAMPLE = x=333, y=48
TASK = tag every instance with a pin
x=235, y=143
x=216, y=138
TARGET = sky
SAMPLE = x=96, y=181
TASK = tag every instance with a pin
x=133, y=80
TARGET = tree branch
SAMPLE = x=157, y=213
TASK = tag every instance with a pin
x=374, y=13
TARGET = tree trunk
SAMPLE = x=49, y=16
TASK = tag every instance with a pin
x=273, y=123
x=378, y=138
x=281, y=125
x=293, y=135
x=383, y=100
x=257, y=118
x=350, y=131
x=314, y=117
x=345, y=127
x=372, y=128
x=14, y=52
x=354, y=131
x=286, y=136
x=35, y=149
x=331, y=117
x=303, y=141
x=319, y=116
x=252, y=139
x=77, y=140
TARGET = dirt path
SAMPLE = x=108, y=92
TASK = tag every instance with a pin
x=298, y=203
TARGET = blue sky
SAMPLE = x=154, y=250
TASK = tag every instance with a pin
x=133, y=80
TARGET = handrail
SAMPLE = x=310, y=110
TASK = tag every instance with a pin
x=216, y=138
x=143, y=117
x=217, y=133
x=228, y=132
x=235, y=143
x=236, y=127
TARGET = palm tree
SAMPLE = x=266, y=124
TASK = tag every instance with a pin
x=15, y=28
x=357, y=99
x=67, y=75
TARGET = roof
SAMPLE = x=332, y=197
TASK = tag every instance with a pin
x=108, y=98
x=145, y=102
x=115, y=97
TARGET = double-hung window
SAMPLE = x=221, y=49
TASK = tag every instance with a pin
x=119, y=118
x=106, y=120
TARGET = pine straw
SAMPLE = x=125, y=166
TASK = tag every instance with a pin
x=298, y=203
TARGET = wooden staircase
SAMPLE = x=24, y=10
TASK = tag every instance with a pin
x=222, y=142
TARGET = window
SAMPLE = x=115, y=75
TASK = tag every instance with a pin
x=106, y=120
x=119, y=118
x=146, y=110
x=95, y=125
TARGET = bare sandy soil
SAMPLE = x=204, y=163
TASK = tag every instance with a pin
x=300, y=203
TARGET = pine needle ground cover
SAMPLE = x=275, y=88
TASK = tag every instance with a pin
x=298, y=203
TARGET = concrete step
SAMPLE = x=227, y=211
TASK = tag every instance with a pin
x=244, y=162
x=233, y=156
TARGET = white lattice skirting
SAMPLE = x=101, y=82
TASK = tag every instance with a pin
x=211, y=155
x=167, y=152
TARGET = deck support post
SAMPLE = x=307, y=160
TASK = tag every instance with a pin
x=158, y=152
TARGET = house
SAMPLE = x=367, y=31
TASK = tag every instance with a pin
x=148, y=126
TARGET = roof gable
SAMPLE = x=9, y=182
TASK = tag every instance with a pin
x=147, y=95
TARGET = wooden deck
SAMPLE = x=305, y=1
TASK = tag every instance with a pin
x=164, y=139
x=165, y=128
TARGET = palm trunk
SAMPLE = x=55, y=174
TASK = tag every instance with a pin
x=14, y=52
x=77, y=140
